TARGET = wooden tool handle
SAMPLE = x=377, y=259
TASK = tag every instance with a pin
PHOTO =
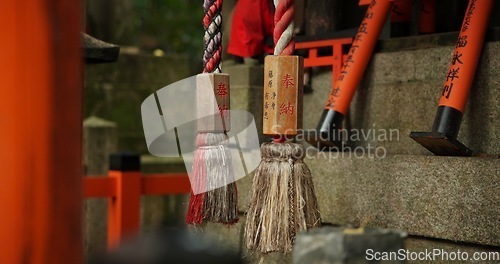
x=212, y=99
x=465, y=58
x=359, y=56
x=283, y=84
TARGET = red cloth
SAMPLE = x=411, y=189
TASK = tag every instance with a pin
x=252, y=23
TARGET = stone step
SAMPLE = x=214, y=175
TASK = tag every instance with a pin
x=452, y=198
x=453, y=201
x=400, y=92
x=232, y=238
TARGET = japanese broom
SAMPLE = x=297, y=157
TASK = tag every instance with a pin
x=283, y=201
x=214, y=195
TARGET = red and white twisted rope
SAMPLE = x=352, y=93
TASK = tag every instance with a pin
x=283, y=28
x=212, y=22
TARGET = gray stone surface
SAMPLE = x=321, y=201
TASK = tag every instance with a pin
x=344, y=245
x=441, y=197
x=418, y=42
x=99, y=140
x=98, y=51
x=232, y=238
x=418, y=244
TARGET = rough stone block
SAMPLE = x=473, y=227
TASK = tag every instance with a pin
x=391, y=67
x=99, y=140
x=344, y=245
x=452, y=198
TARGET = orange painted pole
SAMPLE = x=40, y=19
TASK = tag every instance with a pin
x=351, y=74
x=459, y=77
x=40, y=132
x=466, y=56
x=124, y=207
x=335, y=60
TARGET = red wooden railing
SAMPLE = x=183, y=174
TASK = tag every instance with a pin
x=123, y=190
x=335, y=59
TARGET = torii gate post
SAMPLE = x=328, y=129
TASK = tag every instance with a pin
x=40, y=132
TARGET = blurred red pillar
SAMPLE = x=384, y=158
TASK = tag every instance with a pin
x=40, y=132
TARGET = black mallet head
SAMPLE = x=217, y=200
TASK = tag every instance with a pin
x=441, y=145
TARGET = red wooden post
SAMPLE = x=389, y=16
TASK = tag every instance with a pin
x=124, y=207
x=40, y=135
x=335, y=60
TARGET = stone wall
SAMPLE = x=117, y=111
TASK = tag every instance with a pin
x=116, y=91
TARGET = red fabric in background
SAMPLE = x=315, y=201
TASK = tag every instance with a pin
x=252, y=22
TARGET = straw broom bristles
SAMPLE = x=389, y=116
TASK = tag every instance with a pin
x=283, y=200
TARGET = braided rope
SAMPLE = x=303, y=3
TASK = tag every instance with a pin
x=212, y=22
x=283, y=28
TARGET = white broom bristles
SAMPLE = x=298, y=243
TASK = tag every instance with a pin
x=221, y=204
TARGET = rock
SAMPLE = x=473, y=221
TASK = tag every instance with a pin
x=344, y=245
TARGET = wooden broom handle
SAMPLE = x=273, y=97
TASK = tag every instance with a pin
x=466, y=55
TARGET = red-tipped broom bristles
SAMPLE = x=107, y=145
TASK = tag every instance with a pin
x=214, y=195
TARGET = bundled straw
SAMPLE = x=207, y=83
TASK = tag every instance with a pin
x=283, y=200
